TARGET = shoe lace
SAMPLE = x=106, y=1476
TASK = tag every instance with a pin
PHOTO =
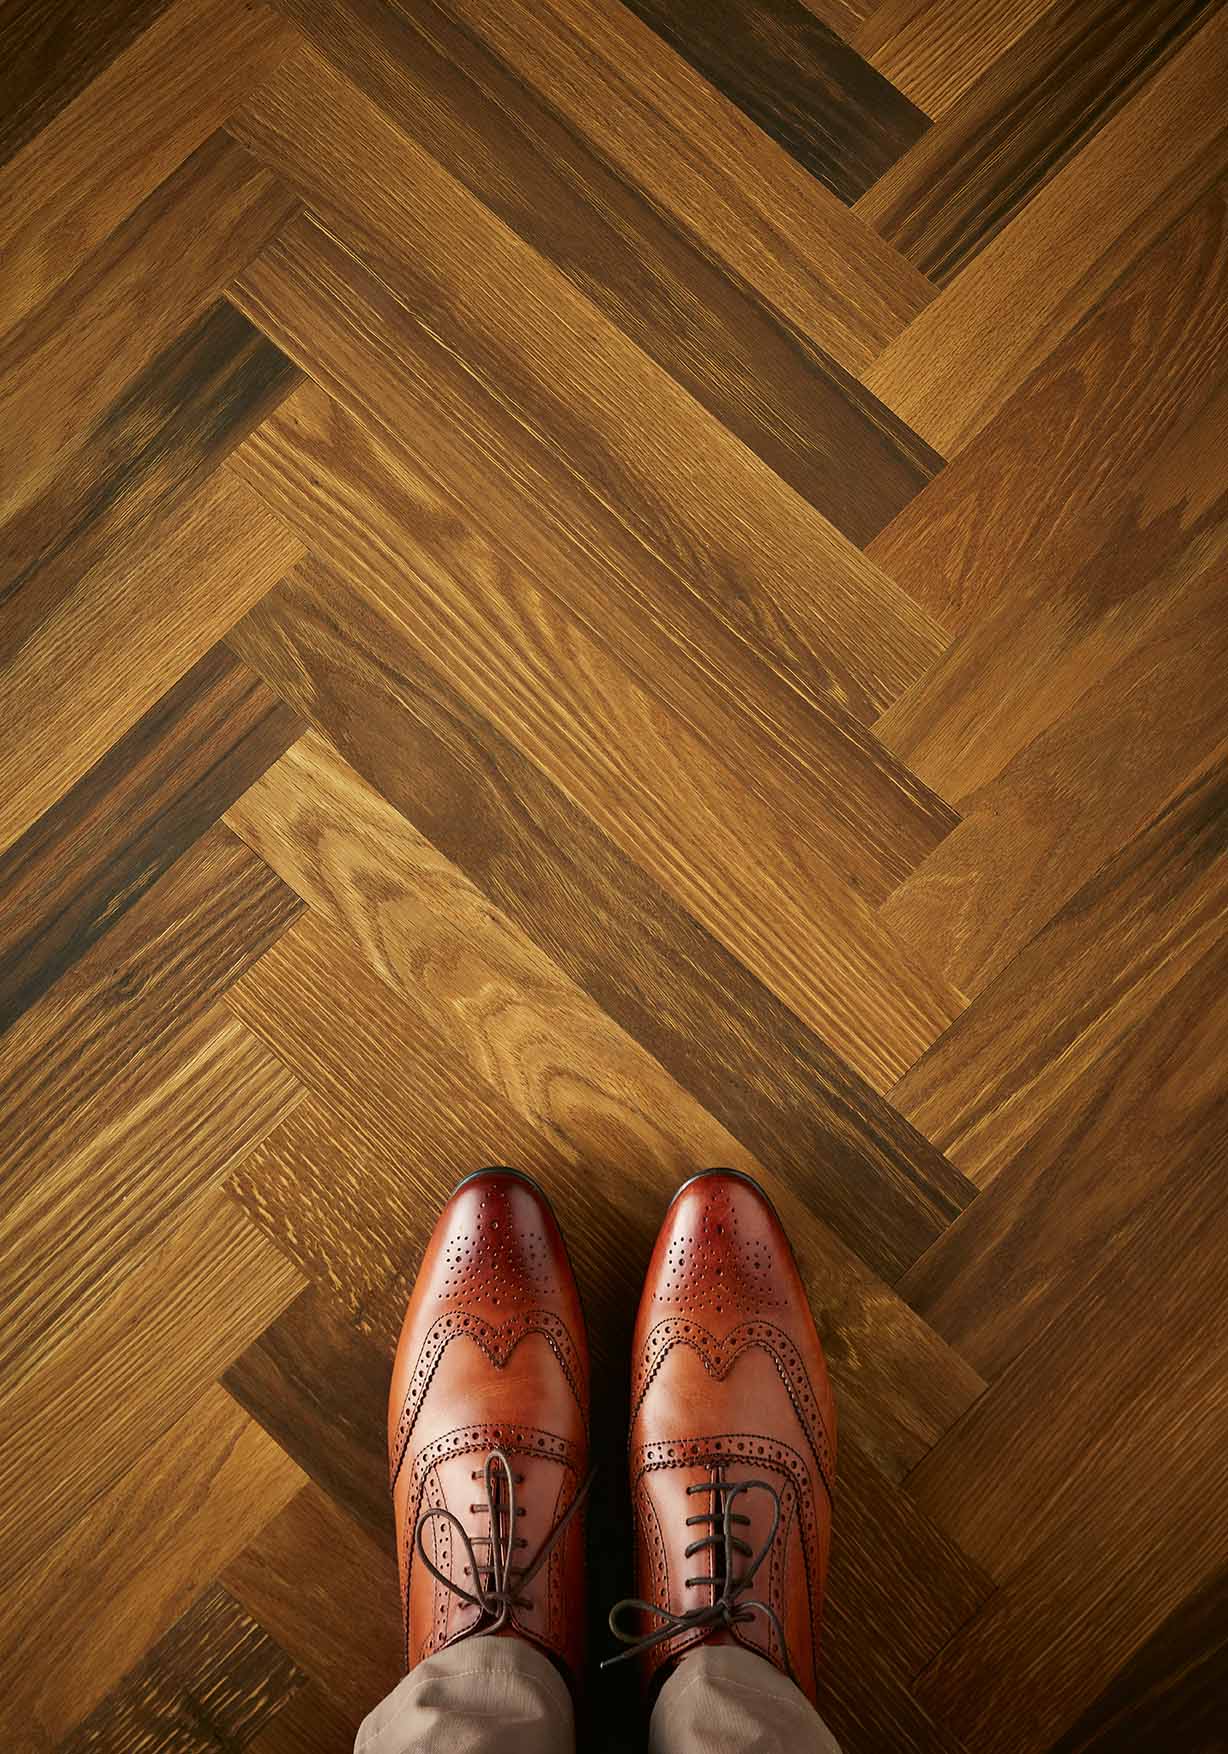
x=731, y=1605
x=498, y=1585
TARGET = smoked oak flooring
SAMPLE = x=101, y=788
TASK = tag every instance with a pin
x=616, y=588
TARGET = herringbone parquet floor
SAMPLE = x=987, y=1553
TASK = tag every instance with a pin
x=614, y=588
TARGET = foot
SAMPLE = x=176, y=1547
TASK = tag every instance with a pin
x=488, y=1429
x=732, y=1439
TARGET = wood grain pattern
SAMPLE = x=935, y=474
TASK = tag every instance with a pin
x=559, y=693
x=198, y=1493
x=954, y=190
x=77, y=871
x=310, y=1722
x=1109, y=1069
x=213, y=1681
x=798, y=81
x=806, y=416
x=84, y=174
x=321, y=1587
x=582, y=901
x=936, y=49
x=71, y=357
x=46, y=61
x=551, y=1057
x=101, y=1401
x=695, y=154
x=976, y=552
x=953, y=369
x=142, y=619
x=1131, y=1520
x=552, y=394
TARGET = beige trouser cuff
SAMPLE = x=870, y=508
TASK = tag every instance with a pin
x=725, y=1700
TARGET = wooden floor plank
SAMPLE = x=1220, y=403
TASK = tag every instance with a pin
x=673, y=801
x=805, y=415
x=953, y=191
x=127, y=1566
x=696, y=155
x=682, y=634
x=1127, y=406
x=1101, y=1493
x=804, y=86
x=603, y=921
x=322, y=1588
x=70, y=359
x=213, y=1681
x=75, y=873
x=934, y=50
x=619, y=453
x=106, y=152
x=959, y=362
x=310, y=1722
x=136, y=622
x=1068, y=1062
x=555, y=1062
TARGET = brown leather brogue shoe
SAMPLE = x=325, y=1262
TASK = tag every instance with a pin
x=488, y=1428
x=733, y=1439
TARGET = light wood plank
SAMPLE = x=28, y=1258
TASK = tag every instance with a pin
x=936, y=49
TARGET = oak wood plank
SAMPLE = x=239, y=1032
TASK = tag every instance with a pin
x=1101, y=1496
x=68, y=361
x=126, y=1563
x=959, y=362
x=795, y=77
x=48, y=52
x=75, y=873
x=310, y=1722
x=213, y=1681
x=1127, y=406
x=806, y=416
x=617, y=452
x=322, y=1588
x=157, y=102
x=1069, y=1062
x=936, y=49
x=550, y=1058
x=699, y=157
x=604, y=921
x=133, y=623
x=684, y=643
x=1011, y=132
x=751, y=869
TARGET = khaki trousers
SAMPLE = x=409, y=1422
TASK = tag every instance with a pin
x=502, y=1696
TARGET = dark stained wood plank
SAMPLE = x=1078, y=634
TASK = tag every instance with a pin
x=165, y=962
x=682, y=634
x=310, y=1722
x=323, y=1589
x=744, y=200
x=1065, y=1065
x=537, y=383
x=1107, y=435
x=78, y=870
x=1173, y=1693
x=965, y=179
x=135, y=621
x=212, y=1682
x=807, y=417
x=49, y=49
x=197, y=1487
x=798, y=81
x=71, y=357
x=605, y=923
x=81, y=177
x=748, y=865
x=502, y=1020
x=936, y=49
x=1102, y=1492
x=984, y=335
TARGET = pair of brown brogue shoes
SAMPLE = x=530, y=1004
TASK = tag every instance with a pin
x=732, y=1443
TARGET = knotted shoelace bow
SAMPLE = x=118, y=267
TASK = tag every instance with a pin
x=498, y=1585
x=730, y=1605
